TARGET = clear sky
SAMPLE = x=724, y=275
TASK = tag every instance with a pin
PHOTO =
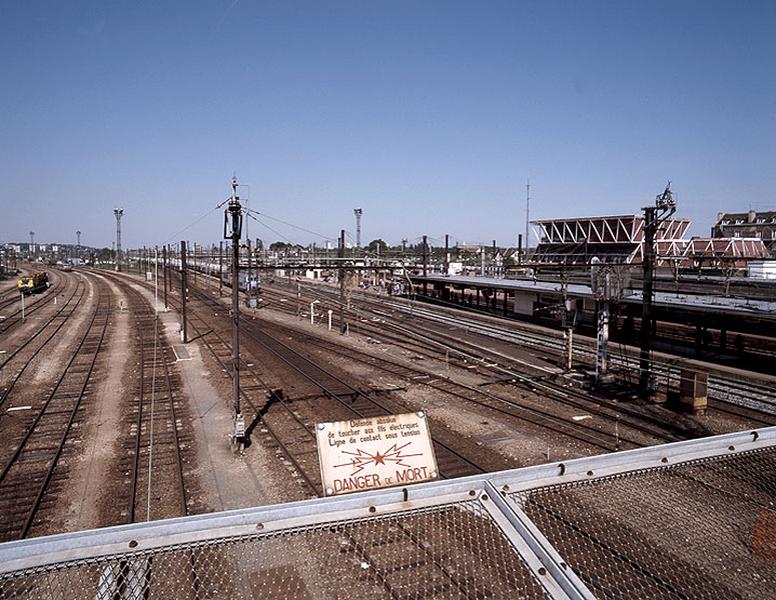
x=429, y=115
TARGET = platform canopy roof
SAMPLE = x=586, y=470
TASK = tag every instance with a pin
x=613, y=229
x=620, y=239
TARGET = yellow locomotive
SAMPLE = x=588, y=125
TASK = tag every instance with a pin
x=29, y=284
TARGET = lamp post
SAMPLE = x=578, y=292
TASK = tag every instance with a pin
x=312, y=311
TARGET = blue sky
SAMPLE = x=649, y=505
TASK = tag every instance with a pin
x=429, y=115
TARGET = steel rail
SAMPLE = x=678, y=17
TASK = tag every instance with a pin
x=101, y=310
x=206, y=332
x=256, y=336
x=42, y=327
x=9, y=386
x=751, y=394
x=577, y=431
x=143, y=313
x=15, y=317
x=561, y=394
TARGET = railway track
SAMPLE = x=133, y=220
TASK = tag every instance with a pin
x=158, y=486
x=613, y=434
x=31, y=459
x=357, y=403
x=722, y=389
x=158, y=441
x=21, y=357
x=617, y=426
x=293, y=433
x=420, y=338
x=31, y=304
x=618, y=416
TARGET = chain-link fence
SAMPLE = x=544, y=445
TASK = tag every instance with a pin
x=444, y=552
x=703, y=529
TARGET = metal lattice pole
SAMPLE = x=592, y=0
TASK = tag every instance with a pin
x=358, y=212
x=118, y=212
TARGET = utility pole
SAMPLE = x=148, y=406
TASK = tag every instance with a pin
x=527, y=213
x=164, y=273
x=602, y=344
x=341, y=254
x=654, y=216
x=78, y=244
x=425, y=264
x=447, y=254
x=184, y=292
x=233, y=220
x=249, y=281
x=604, y=290
x=118, y=212
x=567, y=323
x=156, y=281
x=358, y=212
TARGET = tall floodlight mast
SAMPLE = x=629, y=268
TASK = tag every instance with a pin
x=118, y=212
x=358, y=212
x=654, y=217
x=233, y=230
x=32, y=243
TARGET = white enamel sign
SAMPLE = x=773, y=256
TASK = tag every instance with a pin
x=378, y=452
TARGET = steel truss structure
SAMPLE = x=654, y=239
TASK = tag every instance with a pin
x=689, y=519
x=620, y=239
x=711, y=252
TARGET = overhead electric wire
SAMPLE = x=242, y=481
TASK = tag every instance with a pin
x=207, y=214
x=265, y=215
x=275, y=231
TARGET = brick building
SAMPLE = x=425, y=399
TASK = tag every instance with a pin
x=752, y=224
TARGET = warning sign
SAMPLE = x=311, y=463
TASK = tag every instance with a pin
x=373, y=453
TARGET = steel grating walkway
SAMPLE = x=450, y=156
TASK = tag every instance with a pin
x=686, y=520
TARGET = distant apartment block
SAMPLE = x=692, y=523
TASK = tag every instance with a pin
x=752, y=224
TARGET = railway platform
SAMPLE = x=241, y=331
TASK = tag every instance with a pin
x=688, y=519
x=748, y=315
